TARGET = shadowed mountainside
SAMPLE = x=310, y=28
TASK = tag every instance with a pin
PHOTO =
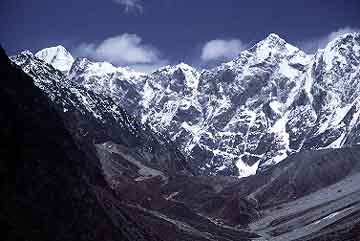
x=49, y=190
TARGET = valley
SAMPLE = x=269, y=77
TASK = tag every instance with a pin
x=263, y=147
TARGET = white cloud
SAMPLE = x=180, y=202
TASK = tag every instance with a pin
x=122, y=49
x=131, y=5
x=126, y=49
x=220, y=49
x=312, y=45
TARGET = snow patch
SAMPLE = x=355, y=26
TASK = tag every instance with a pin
x=338, y=142
x=287, y=70
x=148, y=95
x=276, y=106
x=246, y=170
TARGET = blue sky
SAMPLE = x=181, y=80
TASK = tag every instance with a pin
x=150, y=33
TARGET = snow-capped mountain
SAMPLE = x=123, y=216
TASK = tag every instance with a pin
x=96, y=161
x=58, y=57
x=249, y=113
x=102, y=128
x=104, y=78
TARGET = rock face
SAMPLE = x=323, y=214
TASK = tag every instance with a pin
x=99, y=125
x=247, y=114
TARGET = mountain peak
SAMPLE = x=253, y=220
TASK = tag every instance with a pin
x=274, y=36
x=27, y=53
x=57, y=56
x=182, y=65
x=273, y=39
x=273, y=43
x=352, y=38
x=100, y=70
x=342, y=51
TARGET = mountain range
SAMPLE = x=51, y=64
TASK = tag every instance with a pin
x=263, y=147
x=240, y=117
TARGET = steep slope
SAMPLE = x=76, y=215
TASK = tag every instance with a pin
x=104, y=78
x=334, y=92
x=98, y=124
x=241, y=101
x=271, y=101
x=50, y=191
x=249, y=113
x=135, y=163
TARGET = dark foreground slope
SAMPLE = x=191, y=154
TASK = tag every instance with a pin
x=48, y=189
